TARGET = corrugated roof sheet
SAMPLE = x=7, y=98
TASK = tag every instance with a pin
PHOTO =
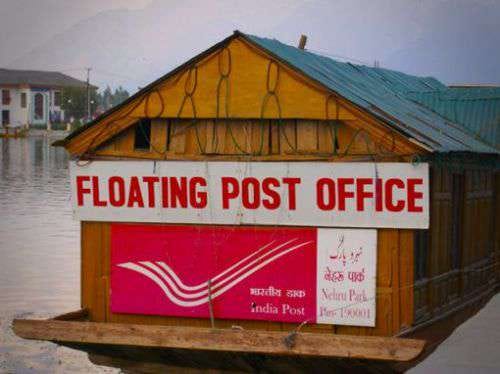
x=384, y=93
x=476, y=108
x=39, y=78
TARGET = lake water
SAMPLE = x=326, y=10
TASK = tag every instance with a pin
x=39, y=253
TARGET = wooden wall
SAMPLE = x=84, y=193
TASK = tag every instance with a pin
x=394, y=291
x=305, y=140
x=457, y=259
x=260, y=139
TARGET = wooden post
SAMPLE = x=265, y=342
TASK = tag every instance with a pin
x=302, y=42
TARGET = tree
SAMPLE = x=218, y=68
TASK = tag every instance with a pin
x=74, y=102
x=108, y=99
x=120, y=95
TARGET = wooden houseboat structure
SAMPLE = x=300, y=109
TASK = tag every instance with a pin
x=250, y=100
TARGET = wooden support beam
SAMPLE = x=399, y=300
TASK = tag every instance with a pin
x=256, y=341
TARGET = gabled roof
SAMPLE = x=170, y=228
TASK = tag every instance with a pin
x=383, y=93
x=476, y=108
x=39, y=78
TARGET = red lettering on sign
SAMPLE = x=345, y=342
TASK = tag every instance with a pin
x=116, y=198
x=292, y=193
x=414, y=195
x=361, y=193
x=178, y=192
x=164, y=192
x=378, y=195
x=389, y=190
x=80, y=190
x=95, y=193
x=150, y=181
x=250, y=187
x=343, y=193
x=274, y=200
x=328, y=202
x=135, y=194
x=230, y=190
x=197, y=199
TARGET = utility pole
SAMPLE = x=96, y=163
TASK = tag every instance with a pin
x=88, y=93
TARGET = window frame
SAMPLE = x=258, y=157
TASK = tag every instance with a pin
x=24, y=100
x=142, y=135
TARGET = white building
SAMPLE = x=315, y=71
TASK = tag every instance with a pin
x=30, y=98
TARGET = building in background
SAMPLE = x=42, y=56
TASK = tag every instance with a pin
x=32, y=98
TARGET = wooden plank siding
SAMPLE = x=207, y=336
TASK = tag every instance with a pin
x=275, y=140
x=457, y=258
x=256, y=139
x=394, y=297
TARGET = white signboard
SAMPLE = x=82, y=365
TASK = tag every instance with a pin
x=346, y=277
x=257, y=193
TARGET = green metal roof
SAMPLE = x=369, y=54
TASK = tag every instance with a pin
x=386, y=94
x=476, y=108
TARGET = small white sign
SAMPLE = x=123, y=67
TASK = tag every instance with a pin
x=314, y=194
x=346, y=277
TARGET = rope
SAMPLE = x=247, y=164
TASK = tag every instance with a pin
x=272, y=94
x=333, y=129
x=188, y=96
x=223, y=79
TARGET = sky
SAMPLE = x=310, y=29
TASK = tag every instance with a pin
x=131, y=43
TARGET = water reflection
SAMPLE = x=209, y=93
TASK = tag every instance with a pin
x=39, y=251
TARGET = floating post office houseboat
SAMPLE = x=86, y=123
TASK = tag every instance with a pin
x=262, y=200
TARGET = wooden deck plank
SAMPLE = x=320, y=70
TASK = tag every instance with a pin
x=257, y=341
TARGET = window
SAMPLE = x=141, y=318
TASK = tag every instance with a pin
x=39, y=107
x=23, y=99
x=142, y=138
x=5, y=117
x=57, y=98
x=5, y=97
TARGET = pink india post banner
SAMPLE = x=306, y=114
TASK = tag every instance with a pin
x=287, y=274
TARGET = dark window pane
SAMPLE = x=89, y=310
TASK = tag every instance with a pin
x=39, y=106
x=143, y=134
x=57, y=98
x=23, y=99
x=5, y=117
x=5, y=97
